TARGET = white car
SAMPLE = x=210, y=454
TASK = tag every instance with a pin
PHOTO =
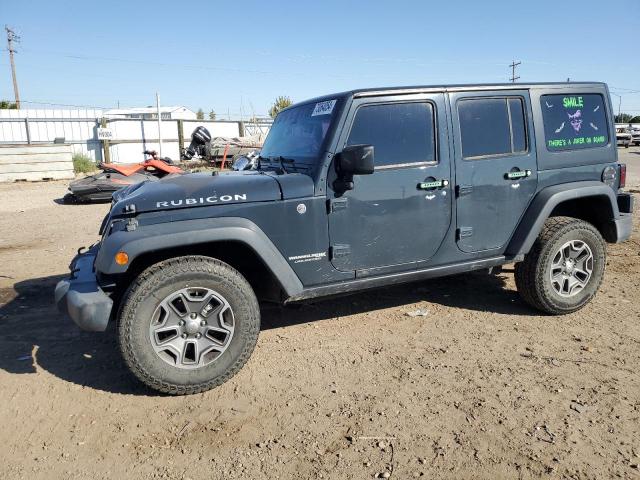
x=635, y=134
x=623, y=135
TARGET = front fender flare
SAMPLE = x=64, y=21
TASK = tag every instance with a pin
x=544, y=203
x=161, y=236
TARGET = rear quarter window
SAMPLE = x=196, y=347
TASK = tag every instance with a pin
x=574, y=121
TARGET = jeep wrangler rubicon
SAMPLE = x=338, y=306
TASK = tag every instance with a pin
x=353, y=191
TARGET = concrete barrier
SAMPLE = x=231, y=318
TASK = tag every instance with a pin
x=35, y=162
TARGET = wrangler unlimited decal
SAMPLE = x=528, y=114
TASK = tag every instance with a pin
x=308, y=257
x=202, y=200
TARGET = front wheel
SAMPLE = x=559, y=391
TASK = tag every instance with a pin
x=188, y=324
x=564, y=269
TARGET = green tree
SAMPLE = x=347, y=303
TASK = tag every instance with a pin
x=212, y=115
x=200, y=114
x=623, y=118
x=635, y=119
x=6, y=104
x=281, y=103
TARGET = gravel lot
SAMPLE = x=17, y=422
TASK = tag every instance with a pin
x=480, y=387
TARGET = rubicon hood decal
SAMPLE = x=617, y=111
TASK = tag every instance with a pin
x=201, y=189
x=203, y=200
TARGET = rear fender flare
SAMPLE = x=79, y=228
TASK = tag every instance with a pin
x=543, y=204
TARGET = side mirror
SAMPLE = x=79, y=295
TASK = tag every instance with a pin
x=355, y=160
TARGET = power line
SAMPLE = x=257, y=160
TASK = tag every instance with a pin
x=626, y=92
x=57, y=104
x=630, y=90
x=174, y=65
x=513, y=71
x=11, y=38
x=64, y=104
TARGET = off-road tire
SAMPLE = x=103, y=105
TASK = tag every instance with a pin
x=532, y=275
x=143, y=296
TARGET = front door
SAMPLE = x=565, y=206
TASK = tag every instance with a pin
x=400, y=214
x=496, y=169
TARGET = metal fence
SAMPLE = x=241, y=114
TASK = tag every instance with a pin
x=81, y=133
x=130, y=136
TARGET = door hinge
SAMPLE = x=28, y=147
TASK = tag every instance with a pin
x=464, y=232
x=336, y=204
x=337, y=251
x=462, y=190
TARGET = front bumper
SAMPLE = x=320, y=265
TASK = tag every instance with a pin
x=80, y=298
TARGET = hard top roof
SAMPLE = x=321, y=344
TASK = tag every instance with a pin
x=365, y=92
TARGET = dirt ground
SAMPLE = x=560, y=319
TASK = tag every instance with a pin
x=480, y=387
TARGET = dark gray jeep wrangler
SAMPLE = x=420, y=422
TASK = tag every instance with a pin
x=354, y=191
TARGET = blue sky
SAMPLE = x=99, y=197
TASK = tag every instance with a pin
x=238, y=56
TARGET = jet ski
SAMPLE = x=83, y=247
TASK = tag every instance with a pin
x=101, y=186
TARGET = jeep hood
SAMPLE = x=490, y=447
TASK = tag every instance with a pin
x=204, y=189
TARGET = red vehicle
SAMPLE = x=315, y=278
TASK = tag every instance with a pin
x=99, y=187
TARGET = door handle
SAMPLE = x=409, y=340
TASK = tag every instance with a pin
x=433, y=184
x=516, y=174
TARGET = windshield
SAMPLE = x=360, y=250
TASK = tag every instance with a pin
x=300, y=132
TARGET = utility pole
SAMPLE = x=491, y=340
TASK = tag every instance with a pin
x=159, y=126
x=513, y=71
x=619, y=106
x=11, y=38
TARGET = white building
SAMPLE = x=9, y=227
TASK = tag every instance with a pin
x=151, y=113
x=139, y=113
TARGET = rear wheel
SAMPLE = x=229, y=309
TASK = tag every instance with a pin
x=188, y=324
x=564, y=268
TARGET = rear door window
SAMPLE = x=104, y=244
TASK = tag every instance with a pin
x=573, y=122
x=492, y=127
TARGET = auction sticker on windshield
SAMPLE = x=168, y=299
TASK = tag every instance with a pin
x=324, y=108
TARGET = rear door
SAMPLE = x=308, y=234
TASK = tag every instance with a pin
x=496, y=171
x=401, y=213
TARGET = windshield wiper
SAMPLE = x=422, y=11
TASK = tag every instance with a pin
x=282, y=160
x=278, y=160
x=260, y=158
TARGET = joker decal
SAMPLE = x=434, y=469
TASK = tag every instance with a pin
x=576, y=120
